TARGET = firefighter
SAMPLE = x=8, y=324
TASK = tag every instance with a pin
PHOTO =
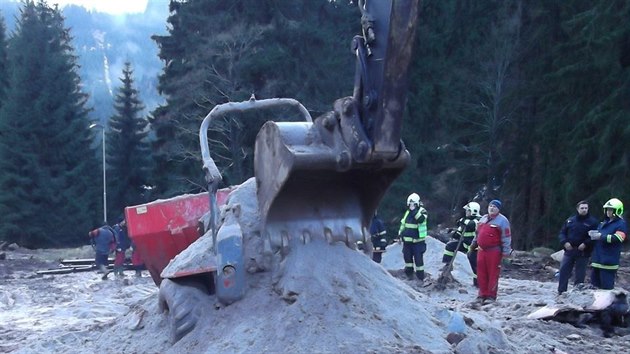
x=412, y=232
x=466, y=228
x=379, y=240
x=492, y=242
x=607, y=241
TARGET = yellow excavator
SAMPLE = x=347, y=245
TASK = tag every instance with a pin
x=320, y=178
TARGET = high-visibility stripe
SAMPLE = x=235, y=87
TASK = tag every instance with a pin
x=382, y=232
x=408, y=265
x=413, y=240
x=474, y=276
x=603, y=266
x=448, y=253
x=467, y=247
x=411, y=226
x=421, y=268
x=469, y=234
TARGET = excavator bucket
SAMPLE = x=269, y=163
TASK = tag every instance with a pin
x=307, y=188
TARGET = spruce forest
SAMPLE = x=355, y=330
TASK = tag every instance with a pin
x=524, y=101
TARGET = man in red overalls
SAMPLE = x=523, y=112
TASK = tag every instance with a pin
x=493, y=242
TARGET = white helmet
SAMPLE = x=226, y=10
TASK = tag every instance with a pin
x=413, y=198
x=474, y=208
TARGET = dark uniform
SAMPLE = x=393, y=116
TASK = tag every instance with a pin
x=575, y=231
x=379, y=240
x=466, y=228
x=607, y=252
x=122, y=244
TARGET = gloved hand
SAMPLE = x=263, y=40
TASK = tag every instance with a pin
x=118, y=249
x=595, y=235
x=567, y=246
x=473, y=247
x=581, y=247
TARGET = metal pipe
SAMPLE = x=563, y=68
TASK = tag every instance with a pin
x=213, y=176
x=93, y=125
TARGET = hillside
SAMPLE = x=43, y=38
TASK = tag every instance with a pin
x=103, y=43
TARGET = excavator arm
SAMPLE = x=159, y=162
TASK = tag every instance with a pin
x=324, y=178
x=383, y=52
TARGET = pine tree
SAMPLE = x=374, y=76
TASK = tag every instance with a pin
x=128, y=155
x=3, y=60
x=47, y=169
x=220, y=51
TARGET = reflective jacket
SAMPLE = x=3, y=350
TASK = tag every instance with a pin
x=466, y=227
x=607, y=250
x=413, y=225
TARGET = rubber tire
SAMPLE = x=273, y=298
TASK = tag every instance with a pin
x=182, y=301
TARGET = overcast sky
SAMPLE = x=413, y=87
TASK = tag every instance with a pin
x=109, y=6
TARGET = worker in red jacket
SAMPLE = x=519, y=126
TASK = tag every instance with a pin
x=493, y=242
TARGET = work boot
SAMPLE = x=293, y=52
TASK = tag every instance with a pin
x=420, y=275
x=475, y=283
x=488, y=300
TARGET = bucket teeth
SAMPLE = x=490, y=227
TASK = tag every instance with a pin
x=285, y=243
x=306, y=237
x=350, y=241
x=282, y=241
x=328, y=235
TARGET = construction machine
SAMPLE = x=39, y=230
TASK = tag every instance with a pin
x=316, y=179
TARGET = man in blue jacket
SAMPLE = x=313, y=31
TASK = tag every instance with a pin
x=122, y=244
x=577, y=246
x=607, y=242
x=102, y=241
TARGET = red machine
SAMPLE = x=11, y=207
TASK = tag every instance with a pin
x=163, y=228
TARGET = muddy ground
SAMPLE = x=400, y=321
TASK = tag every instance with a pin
x=76, y=313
